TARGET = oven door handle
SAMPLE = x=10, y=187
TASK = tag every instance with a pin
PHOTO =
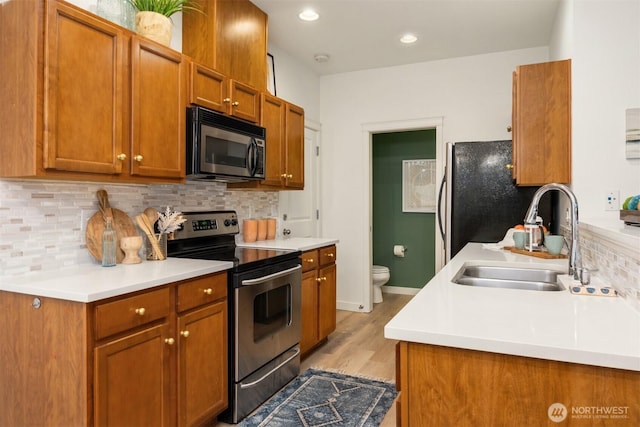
x=259, y=280
x=262, y=378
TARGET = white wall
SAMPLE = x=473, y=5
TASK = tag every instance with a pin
x=471, y=94
x=606, y=81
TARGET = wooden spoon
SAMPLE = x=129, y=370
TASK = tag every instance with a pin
x=152, y=215
x=103, y=203
x=147, y=228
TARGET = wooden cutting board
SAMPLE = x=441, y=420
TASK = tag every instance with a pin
x=537, y=254
x=120, y=222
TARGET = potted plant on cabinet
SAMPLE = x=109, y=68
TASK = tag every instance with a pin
x=153, y=17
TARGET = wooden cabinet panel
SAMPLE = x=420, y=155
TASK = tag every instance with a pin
x=244, y=101
x=83, y=92
x=285, y=146
x=318, y=308
x=327, y=301
x=158, y=108
x=309, y=311
x=202, y=364
x=200, y=291
x=272, y=118
x=327, y=255
x=132, y=385
x=128, y=313
x=159, y=368
x=542, y=123
x=451, y=386
x=309, y=260
x=242, y=55
x=77, y=73
x=294, y=139
x=230, y=37
x=208, y=88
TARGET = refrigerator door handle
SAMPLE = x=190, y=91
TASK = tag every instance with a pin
x=440, y=193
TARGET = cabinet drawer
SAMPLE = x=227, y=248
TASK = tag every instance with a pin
x=127, y=313
x=309, y=260
x=201, y=291
x=327, y=255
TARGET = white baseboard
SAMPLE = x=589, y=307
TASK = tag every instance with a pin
x=350, y=306
x=400, y=290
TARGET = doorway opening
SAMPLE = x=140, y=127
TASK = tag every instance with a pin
x=369, y=132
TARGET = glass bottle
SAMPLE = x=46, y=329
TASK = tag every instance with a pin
x=109, y=239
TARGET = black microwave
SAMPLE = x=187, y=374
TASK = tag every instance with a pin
x=223, y=148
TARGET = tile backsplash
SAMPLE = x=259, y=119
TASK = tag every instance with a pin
x=614, y=258
x=42, y=223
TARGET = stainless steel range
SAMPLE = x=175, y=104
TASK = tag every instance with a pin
x=264, y=308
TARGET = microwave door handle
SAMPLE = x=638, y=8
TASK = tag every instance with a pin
x=252, y=157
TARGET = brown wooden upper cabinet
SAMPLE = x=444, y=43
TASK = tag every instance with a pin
x=216, y=91
x=102, y=115
x=229, y=37
x=285, y=146
x=541, y=123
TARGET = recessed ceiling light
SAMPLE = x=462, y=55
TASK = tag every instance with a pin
x=321, y=57
x=408, y=39
x=308, y=15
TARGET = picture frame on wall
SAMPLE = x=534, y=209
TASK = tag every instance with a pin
x=419, y=185
x=271, y=75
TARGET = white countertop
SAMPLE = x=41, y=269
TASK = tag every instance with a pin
x=591, y=330
x=92, y=282
x=293, y=243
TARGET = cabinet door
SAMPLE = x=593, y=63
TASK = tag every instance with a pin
x=132, y=380
x=202, y=364
x=84, y=78
x=158, y=85
x=309, y=311
x=244, y=101
x=241, y=55
x=207, y=88
x=272, y=118
x=542, y=136
x=327, y=300
x=294, y=125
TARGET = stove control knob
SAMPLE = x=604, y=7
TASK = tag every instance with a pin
x=234, y=222
x=227, y=222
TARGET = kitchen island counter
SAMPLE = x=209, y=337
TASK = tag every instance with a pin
x=91, y=282
x=560, y=326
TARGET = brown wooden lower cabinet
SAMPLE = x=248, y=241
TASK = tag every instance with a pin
x=318, y=296
x=153, y=358
x=443, y=386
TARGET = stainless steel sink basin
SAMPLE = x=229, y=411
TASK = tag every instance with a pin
x=532, y=279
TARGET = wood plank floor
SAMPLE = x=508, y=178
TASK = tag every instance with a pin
x=358, y=346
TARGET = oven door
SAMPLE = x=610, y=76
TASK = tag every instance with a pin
x=267, y=319
x=230, y=153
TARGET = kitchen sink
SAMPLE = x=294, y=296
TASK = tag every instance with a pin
x=533, y=279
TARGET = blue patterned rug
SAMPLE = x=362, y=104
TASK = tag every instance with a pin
x=319, y=398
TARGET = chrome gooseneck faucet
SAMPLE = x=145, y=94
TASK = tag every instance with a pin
x=530, y=218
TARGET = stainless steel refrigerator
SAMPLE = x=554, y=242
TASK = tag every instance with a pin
x=478, y=199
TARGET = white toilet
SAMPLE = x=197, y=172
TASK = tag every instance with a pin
x=379, y=276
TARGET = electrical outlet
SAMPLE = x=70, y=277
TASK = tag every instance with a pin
x=612, y=200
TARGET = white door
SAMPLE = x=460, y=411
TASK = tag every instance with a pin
x=299, y=209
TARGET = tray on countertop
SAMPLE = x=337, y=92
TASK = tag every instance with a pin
x=630, y=217
x=537, y=254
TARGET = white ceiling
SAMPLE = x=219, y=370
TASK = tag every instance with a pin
x=363, y=34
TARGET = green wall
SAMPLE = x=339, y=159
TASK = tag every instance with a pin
x=416, y=231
